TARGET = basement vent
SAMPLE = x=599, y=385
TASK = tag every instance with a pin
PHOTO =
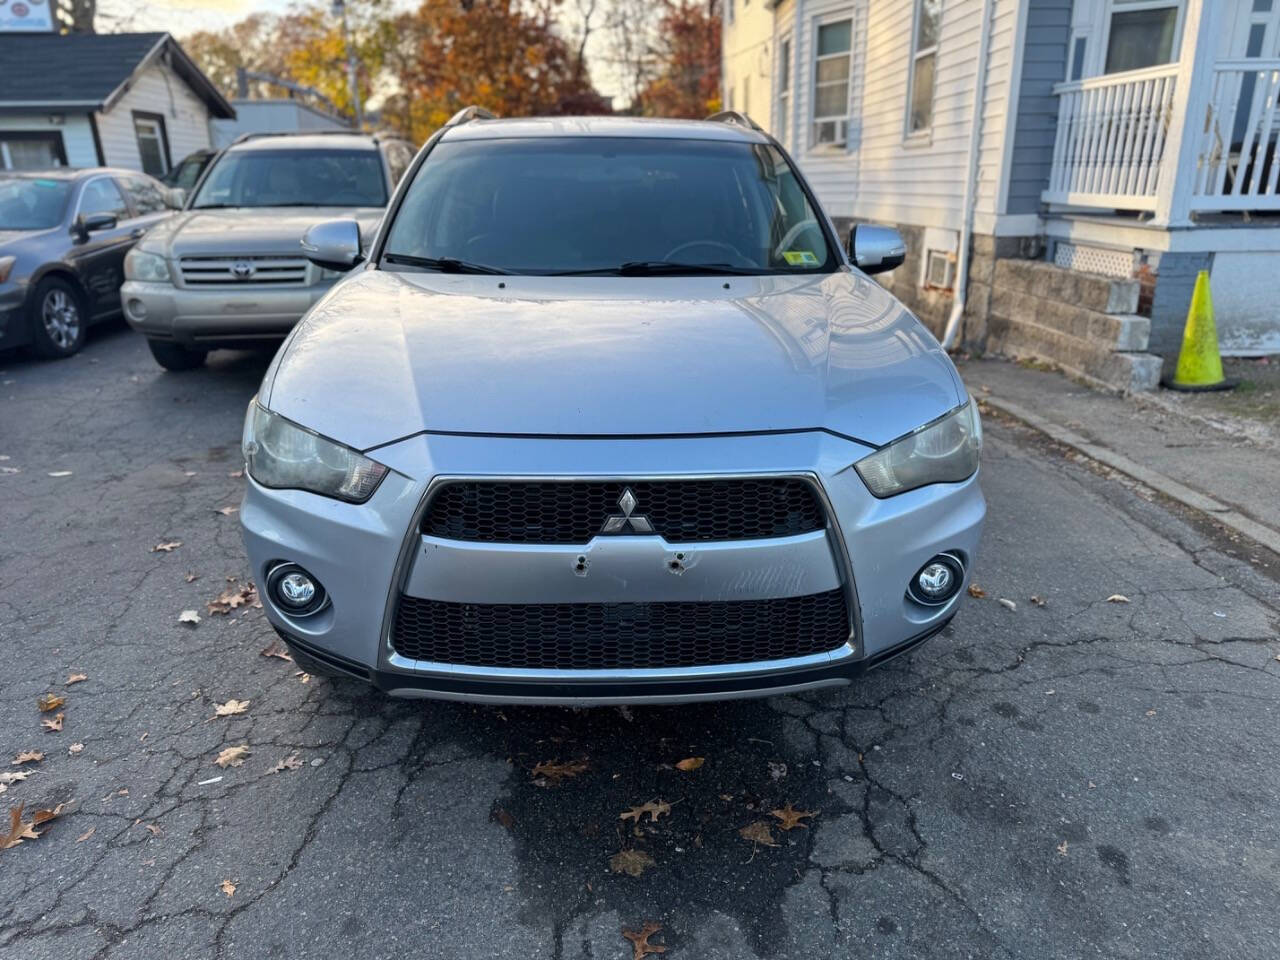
x=1110, y=263
x=940, y=270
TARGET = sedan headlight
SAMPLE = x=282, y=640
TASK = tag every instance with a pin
x=150, y=267
x=944, y=451
x=284, y=455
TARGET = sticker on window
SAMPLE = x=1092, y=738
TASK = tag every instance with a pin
x=801, y=258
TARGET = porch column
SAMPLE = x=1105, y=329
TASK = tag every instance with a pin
x=1187, y=119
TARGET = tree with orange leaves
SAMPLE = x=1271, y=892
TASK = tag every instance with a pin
x=687, y=51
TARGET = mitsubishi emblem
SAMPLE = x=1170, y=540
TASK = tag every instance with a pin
x=627, y=504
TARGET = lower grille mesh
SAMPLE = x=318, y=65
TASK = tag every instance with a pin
x=605, y=636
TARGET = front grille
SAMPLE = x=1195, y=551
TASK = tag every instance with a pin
x=219, y=271
x=572, y=512
x=619, y=636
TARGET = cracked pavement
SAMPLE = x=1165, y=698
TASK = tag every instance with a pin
x=1078, y=779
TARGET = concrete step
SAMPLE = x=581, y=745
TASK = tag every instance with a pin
x=1091, y=291
x=1109, y=330
x=1024, y=338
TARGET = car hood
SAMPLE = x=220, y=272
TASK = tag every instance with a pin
x=250, y=231
x=386, y=354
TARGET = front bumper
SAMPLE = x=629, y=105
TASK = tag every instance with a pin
x=367, y=555
x=14, y=331
x=224, y=314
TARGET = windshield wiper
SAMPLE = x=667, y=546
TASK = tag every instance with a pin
x=659, y=268
x=443, y=264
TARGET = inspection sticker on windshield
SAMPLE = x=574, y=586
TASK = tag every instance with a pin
x=801, y=258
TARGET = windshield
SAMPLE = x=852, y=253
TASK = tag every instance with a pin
x=30, y=203
x=295, y=178
x=595, y=205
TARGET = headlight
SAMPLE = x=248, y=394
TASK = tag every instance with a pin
x=944, y=451
x=6, y=267
x=283, y=454
x=140, y=265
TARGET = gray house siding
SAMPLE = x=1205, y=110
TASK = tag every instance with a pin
x=1044, y=64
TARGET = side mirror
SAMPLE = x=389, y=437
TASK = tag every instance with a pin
x=876, y=249
x=333, y=244
x=93, y=223
x=175, y=198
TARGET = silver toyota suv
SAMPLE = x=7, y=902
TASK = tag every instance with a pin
x=607, y=414
x=229, y=270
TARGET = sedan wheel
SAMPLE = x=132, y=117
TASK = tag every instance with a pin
x=58, y=319
x=61, y=317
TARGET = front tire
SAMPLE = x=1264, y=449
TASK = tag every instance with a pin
x=174, y=356
x=58, y=319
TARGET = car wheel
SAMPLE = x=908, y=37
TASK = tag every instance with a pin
x=58, y=319
x=174, y=356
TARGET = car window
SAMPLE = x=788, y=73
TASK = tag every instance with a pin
x=295, y=178
x=34, y=203
x=188, y=172
x=103, y=196
x=563, y=205
x=146, y=194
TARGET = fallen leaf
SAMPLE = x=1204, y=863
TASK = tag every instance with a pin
x=50, y=701
x=227, y=887
x=230, y=708
x=976, y=591
x=291, y=762
x=1062, y=849
x=41, y=817
x=1117, y=598
x=191, y=577
x=692, y=763
x=75, y=748
x=501, y=816
x=189, y=616
x=167, y=547
x=232, y=756
x=60, y=473
x=18, y=830
x=777, y=769
x=13, y=776
x=791, y=817
x=758, y=832
x=76, y=678
x=631, y=862
x=654, y=808
x=54, y=725
x=1038, y=601
x=1151, y=713
x=640, y=945
x=86, y=835
x=555, y=771
x=1008, y=604
x=236, y=474
x=232, y=598
x=28, y=756
x=303, y=676
x=277, y=651
x=226, y=512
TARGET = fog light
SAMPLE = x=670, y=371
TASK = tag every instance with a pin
x=294, y=590
x=937, y=581
x=137, y=307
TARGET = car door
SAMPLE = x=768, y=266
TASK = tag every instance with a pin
x=98, y=256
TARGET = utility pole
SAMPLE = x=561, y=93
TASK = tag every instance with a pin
x=340, y=10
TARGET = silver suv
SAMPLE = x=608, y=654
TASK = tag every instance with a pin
x=229, y=270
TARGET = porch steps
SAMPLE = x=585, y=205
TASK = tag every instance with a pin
x=1082, y=322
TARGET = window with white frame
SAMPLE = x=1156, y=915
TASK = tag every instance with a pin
x=831, y=84
x=1141, y=33
x=924, y=63
x=782, y=122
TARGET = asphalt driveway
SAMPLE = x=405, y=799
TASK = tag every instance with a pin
x=1068, y=778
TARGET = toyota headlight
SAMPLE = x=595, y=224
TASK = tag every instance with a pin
x=149, y=267
x=282, y=454
x=944, y=451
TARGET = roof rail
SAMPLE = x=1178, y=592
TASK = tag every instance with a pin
x=473, y=112
x=255, y=134
x=734, y=116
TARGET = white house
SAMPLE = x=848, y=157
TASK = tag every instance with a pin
x=131, y=100
x=1133, y=140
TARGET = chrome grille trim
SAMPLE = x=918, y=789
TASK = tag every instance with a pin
x=275, y=271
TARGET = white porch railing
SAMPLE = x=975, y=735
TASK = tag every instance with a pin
x=1237, y=167
x=1111, y=139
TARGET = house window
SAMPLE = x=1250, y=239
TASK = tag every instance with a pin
x=831, y=84
x=924, y=60
x=153, y=144
x=782, y=123
x=1143, y=33
x=41, y=150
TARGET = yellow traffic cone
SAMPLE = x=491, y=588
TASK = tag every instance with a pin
x=1199, y=363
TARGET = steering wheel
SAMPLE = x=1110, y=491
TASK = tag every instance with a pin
x=738, y=258
x=791, y=234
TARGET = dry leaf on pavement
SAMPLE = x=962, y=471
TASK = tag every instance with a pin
x=227, y=887
x=1062, y=848
x=631, y=862
x=76, y=678
x=230, y=708
x=1117, y=598
x=654, y=808
x=227, y=511
x=18, y=830
x=232, y=756
x=189, y=616
x=28, y=756
x=50, y=701
x=191, y=577
x=236, y=474
x=75, y=748
x=640, y=945
x=60, y=473
x=1038, y=601
x=277, y=651
x=692, y=763
x=13, y=776
x=976, y=591
x=167, y=547
x=291, y=762
x=86, y=835
x=758, y=832
x=555, y=771
x=54, y=725
x=234, y=597
x=790, y=817
x=1008, y=604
